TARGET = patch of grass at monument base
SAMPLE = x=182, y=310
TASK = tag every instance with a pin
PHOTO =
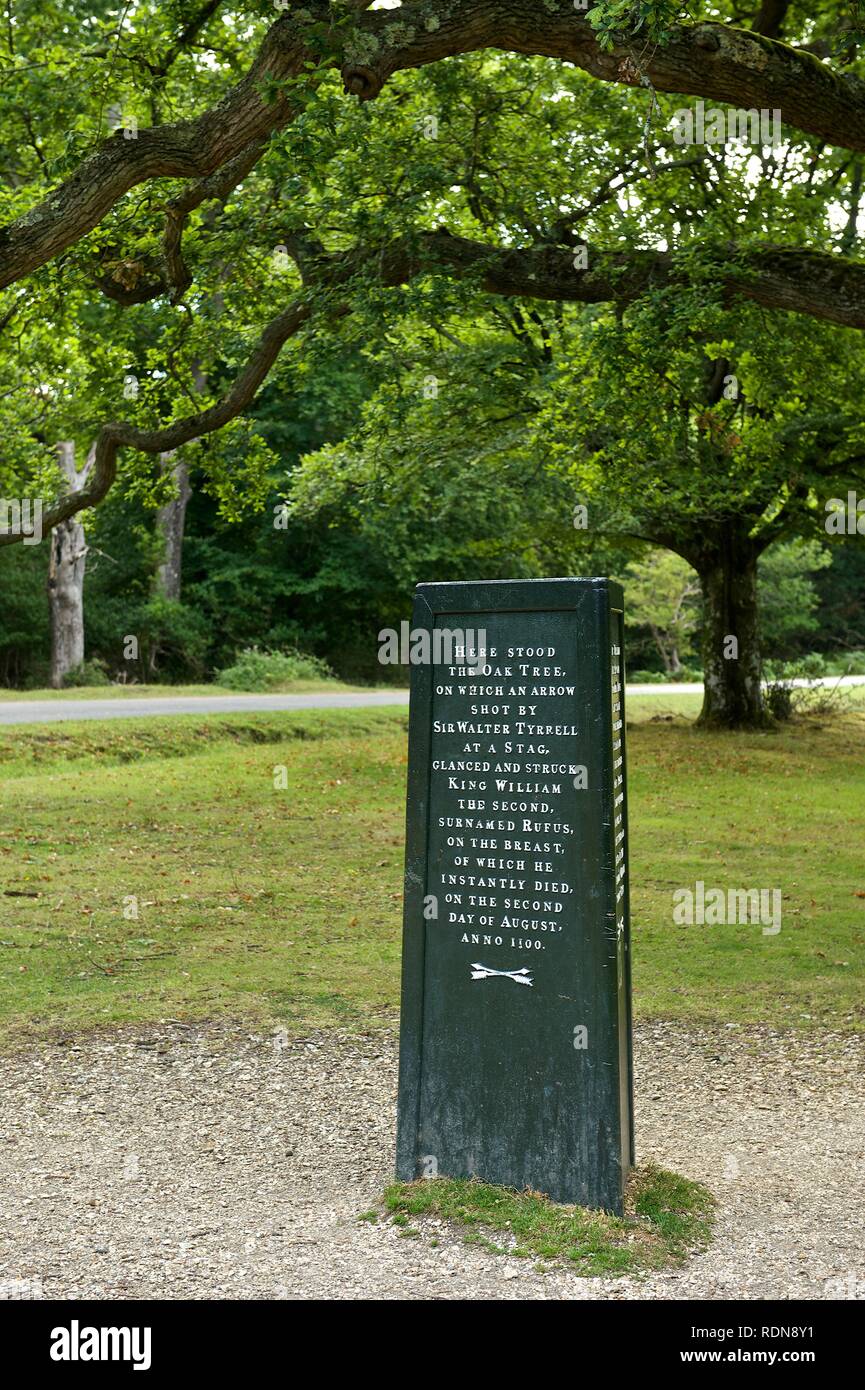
x=666, y=1217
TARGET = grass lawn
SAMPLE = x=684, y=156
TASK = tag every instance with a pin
x=283, y=906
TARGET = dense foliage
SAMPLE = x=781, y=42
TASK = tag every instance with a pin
x=607, y=320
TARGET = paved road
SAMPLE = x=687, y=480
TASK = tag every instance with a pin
x=50, y=711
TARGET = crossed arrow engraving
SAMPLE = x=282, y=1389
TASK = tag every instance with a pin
x=519, y=977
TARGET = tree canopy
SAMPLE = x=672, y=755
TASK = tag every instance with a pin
x=558, y=254
x=270, y=171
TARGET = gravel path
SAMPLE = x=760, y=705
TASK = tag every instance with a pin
x=207, y=1162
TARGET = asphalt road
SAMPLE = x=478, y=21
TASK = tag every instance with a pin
x=51, y=711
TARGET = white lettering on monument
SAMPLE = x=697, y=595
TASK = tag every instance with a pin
x=505, y=762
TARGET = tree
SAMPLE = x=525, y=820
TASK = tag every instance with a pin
x=646, y=428
x=66, y=575
x=170, y=522
x=714, y=441
x=788, y=595
x=438, y=480
x=840, y=590
x=661, y=590
x=24, y=634
x=235, y=164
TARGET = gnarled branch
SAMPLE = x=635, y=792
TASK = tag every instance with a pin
x=802, y=281
x=193, y=149
x=719, y=62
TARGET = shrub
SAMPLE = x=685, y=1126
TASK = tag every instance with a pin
x=640, y=677
x=173, y=639
x=685, y=673
x=779, y=700
x=823, y=696
x=688, y=673
x=846, y=664
x=90, y=672
x=254, y=669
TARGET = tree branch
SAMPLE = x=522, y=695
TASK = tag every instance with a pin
x=720, y=62
x=116, y=435
x=187, y=149
x=801, y=281
x=797, y=279
x=770, y=18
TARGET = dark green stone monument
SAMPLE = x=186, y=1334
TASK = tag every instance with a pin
x=515, y=1048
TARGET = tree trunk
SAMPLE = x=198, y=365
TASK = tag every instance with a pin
x=66, y=598
x=668, y=651
x=733, y=697
x=170, y=523
x=66, y=578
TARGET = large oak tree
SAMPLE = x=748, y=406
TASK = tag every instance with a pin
x=239, y=128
